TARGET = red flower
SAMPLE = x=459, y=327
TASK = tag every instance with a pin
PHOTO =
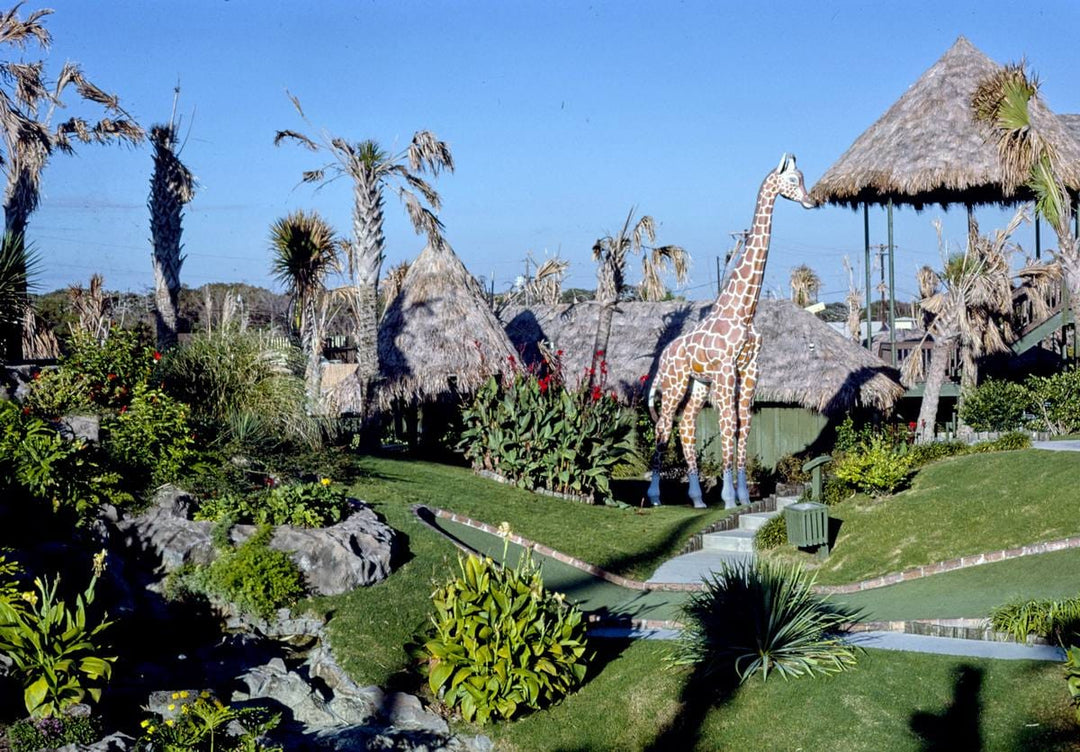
x=614, y=397
x=512, y=359
x=157, y=355
x=111, y=376
x=599, y=353
x=37, y=375
x=123, y=409
x=644, y=378
x=26, y=411
x=603, y=367
x=558, y=353
x=543, y=383
x=597, y=393
x=912, y=425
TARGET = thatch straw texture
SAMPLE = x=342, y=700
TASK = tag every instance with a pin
x=438, y=335
x=1072, y=125
x=928, y=149
x=803, y=360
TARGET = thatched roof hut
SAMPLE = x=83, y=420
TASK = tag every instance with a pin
x=928, y=149
x=1072, y=125
x=803, y=360
x=438, y=335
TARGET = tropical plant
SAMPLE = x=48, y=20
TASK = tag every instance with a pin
x=171, y=187
x=202, y=723
x=995, y=405
x=1055, y=619
x=805, y=286
x=1055, y=401
x=501, y=642
x=30, y=136
x=763, y=618
x=372, y=170
x=972, y=307
x=1072, y=677
x=304, y=250
x=150, y=438
x=538, y=432
x=610, y=252
x=17, y=267
x=298, y=504
x=54, y=649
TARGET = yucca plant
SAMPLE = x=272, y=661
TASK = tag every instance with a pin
x=502, y=642
x=763, y=618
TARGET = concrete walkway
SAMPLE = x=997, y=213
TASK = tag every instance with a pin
x=911, y=643
x=1069, y=445
x=696, y=566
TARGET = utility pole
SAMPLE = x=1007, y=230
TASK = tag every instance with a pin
x=740, y=237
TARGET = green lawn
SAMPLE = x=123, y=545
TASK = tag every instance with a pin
x=629, y=705
x=956, y=507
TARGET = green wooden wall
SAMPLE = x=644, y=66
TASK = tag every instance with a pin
x=776, y=430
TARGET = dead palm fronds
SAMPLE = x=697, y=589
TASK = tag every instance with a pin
x=854, y=303
x=38, y=341
x=392, y=284
x=805, y=286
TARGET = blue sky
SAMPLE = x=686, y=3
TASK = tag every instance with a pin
x=560, y=117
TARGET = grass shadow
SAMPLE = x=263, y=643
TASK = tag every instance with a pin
x=957, y=728
x=699, y=695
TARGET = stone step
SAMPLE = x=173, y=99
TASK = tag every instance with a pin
x=754, y=520
x=785, y=501
x=728, y=540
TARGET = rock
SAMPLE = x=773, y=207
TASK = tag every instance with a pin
x=405, y=712
x=334, y=560
x=85, y=427
x=117, y=742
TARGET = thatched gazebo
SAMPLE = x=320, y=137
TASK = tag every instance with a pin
x=810, y=374
x=928, y=149
x=438, y=337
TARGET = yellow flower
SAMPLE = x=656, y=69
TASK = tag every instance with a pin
x=183, y=695
x=99, y=562
x=170, y=722
x=504, y=529
x=172, y=706
x=145, y=723
x=325, y=481
x=175, y=695
x=151, y=730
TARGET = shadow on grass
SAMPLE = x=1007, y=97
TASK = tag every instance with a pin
x=700, y=694
x=955, y=729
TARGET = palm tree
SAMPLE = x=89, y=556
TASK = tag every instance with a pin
x=969, y=302
x=171, y=186
x=304, y=249
x=854, y=303
x=610, y=252
x=805, y=286
x=372, y=170
x=1002, y=102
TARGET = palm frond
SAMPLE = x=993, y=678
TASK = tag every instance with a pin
x=428, y=153
x=288, y=135
x=19, y=32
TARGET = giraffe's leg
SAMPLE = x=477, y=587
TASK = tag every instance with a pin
x=670, y=396
x=748, y=375
x=699, y=392
x=724, y=402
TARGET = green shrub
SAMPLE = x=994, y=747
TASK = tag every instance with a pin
x=254, y=577
x=1057, y=620
x=995, y=406
x=151, y=437
x=300, y=504
x=50, y=733
x=876, y=467
x=501, y=642
x=102, y=374
x=1055, y=402
x=37, y=462
x=789, y=469
x=202, y=724
x=772, y=534
x=762, y=618
x=1007, y=442
x=243, y=386
x=53, y=647
x=539, y=433
x=924, y=454
x=834, y=490
x=1072, y=677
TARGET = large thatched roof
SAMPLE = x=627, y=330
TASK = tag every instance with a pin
x=438, y=334
x=802, y=359
x=1072, y=125
x=928, y=149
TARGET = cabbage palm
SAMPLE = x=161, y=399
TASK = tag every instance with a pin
x=372, y=170
x=1002, y=102
x=171, y=186
x=805, y=286
x=28, y=102
x=610, y=253
x=304, y=250
x=968, y=302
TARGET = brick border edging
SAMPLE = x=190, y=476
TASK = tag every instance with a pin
x=949, y=565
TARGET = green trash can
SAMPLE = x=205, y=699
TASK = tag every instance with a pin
x=807, y=524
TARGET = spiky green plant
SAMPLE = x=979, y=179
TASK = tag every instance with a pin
x=763, y=618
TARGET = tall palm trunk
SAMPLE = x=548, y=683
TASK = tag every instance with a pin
x=171, y=186
x=365, y=264
x=935, y=378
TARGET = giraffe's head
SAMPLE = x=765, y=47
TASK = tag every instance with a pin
x=790, y=182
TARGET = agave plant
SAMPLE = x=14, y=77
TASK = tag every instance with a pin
x=763, y=618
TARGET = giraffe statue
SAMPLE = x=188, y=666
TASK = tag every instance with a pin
x=718, y=358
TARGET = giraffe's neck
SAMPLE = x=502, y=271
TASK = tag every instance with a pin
x=743, y=289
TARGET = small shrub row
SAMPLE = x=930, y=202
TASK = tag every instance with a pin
x=1043, y=403
x=30, y=735
x=298, y=504
x=1054, y=619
